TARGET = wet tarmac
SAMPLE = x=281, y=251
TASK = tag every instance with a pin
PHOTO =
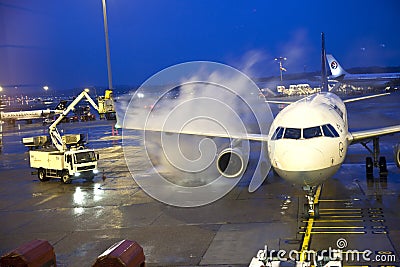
x=83, y=219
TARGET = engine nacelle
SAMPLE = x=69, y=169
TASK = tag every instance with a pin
x=230, y=163
x=397, y=155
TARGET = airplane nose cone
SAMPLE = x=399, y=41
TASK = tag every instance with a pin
x=302, y=164
x=300, y=159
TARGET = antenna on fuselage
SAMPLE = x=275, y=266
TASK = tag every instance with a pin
x=324, y=80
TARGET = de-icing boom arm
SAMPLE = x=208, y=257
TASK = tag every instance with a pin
x=54, y=134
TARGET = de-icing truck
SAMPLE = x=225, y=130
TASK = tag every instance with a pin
x=66, y=158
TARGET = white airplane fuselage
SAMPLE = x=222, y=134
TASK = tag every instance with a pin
x=374, y=80
x=364, y=79
x=27, y=115
x=303, y=148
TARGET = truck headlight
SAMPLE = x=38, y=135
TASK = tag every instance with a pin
x=95, y=171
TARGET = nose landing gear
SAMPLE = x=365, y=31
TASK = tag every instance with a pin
x=311, y=207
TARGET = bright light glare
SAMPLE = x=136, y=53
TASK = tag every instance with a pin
x=79, y=196
x=98, y=192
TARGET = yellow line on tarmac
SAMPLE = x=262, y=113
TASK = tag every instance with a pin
x=336, y=221
x=333, y=232
x=329, y=221
x=46, y=199
x=334, y=200
x=340, y=213
x=336, y=227
x=343, y=216
x=334, y=209
x=307, y=233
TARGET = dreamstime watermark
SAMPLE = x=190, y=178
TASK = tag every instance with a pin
x=331, y=254
x=195, y=121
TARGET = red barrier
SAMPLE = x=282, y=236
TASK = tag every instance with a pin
x=123, y=253
x=37, y=253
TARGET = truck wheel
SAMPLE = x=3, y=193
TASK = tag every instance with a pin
x=42, y=175
x=65, y=178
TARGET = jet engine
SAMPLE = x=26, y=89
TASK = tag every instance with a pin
x=230, y=163
x=397, y=155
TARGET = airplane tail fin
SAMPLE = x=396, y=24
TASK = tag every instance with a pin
x=335, y=67
x=62, y=105
x=324, y=79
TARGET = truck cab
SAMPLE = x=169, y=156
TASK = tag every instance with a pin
x=81, y=163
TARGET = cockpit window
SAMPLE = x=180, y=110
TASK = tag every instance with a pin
x=312, y=132
x=278, y=133
x=329, y=131
x=292, y=133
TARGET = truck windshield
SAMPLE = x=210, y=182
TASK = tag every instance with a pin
x=83, y=157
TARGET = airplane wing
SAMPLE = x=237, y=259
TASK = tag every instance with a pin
x=243, y=136
x=279, y=102
x=344, y=101
x=364, y=97
x=356, y=137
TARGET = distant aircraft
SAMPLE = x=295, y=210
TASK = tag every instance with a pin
x=29, y=115
x=11, y=117
x=365, y=79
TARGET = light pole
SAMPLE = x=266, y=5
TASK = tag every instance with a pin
x=107, y=45
x=281, y=68
x=46, y=94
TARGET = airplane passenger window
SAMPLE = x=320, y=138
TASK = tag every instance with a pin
x=278, y=133
x=329, y=131
x=312, y=132
x=292, y=133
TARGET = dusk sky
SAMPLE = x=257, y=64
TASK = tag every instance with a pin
x=60, y=43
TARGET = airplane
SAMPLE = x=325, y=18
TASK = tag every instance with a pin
x=366, y=79
x=29, y=115
x=13, y=116
x=316, y=127
x=307, y=142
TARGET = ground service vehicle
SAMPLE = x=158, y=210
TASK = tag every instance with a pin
x=66, y=157
x=106, y=106
x=65, y=165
